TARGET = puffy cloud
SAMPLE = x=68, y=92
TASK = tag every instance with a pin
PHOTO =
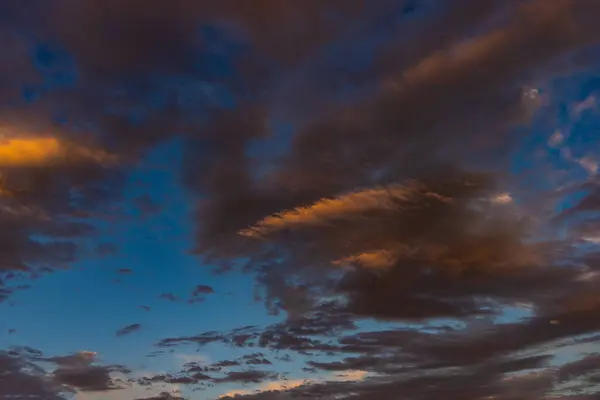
x=17, y=380
x=440, y=248
x=23, y=372
x=79, y=372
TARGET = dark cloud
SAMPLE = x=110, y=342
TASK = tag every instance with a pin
x=128, y=329
x=124, y=271
x=412, y=129
x=168, y=296
x=181, y=379
x=256, y=359
x=24, y=374
x=488, y=381
x=91, y=378
x=201, y=290
x=393, y=208
x=250, y=376
x=475, y=360
x=576, y=369
x=441, y=249
x=194, y=374
x=163, y=396
x=19, y=380
x=143, y=47
x=202, y=339
x=224, y=364
x=506, y=361
x=174, y=46
x=79, y=371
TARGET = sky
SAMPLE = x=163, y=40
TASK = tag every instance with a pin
x=281, y=199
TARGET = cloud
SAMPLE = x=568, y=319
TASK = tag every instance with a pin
x=288, y=384
x=412, y=126
x=396, y=245
x=80, y=359
x=100, y=88
x=202, y=290
x=191, y=360
x=128, y=329
x=173, y=47
x=16, y=380
x=397, y=208
x=79, y=372
x=134, y=390
x=86, y=379
x=23, y=372
x=162, y=396
x=19, y=152
x=576, y=369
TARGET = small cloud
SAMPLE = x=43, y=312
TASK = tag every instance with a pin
x=589, y=164
x=168, y=296
x=503, y=198
x=128, y=329
x=592, y=239
x=589, y=276
x=202, y=289
x=531, y=102
x=184, y=358
x=351, y=376
x=556, y=140
x=124, y=271
x=587, y=104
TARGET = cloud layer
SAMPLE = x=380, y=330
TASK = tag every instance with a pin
x=416, y=192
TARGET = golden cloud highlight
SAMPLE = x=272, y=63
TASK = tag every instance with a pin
x=30, y=151
x=329, y=209
x=380, y=227
x=39, y=151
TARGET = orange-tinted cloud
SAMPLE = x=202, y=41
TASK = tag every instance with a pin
x=27, y=152
x=39, y=151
